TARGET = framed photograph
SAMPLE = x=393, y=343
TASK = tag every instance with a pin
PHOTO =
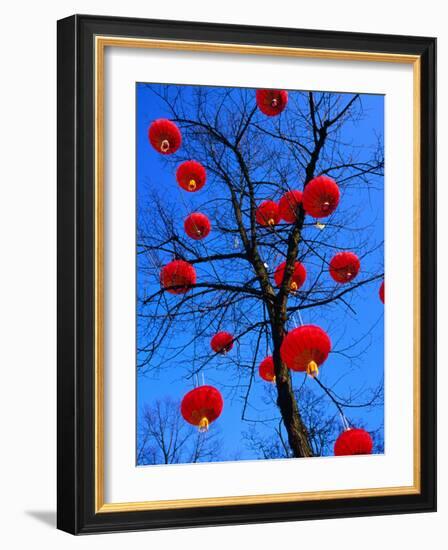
x=246, y=271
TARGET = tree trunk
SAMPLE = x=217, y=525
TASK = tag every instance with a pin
x=286, y=401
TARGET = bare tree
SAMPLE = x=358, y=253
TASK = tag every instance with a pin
x=250, y=158
x=323, y=425
x=165, y=438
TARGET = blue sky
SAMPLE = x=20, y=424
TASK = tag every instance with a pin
x=355, y=367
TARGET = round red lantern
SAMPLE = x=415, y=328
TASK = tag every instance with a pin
x=298, y=276
x=271, y=102
x=353, y=441
x=288, y=205
x=321, y=197
x=177, y=277
x=197, y=226
x=164, y=136
x=222, y=342
x=202, y=406
x=266, y=369
x=305, y=348
x=344, y=267
x=381, y=292
x=267, y=213
x=191, y=176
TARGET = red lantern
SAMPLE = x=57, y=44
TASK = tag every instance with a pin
x=267, y=213
x=353, y=441
x=298, y=276
x=321, y=197
x=305, y=348
x=271, y=102
x=164, y=136
x=266, y=369
x=381, y=292
x=191, y=176
x=197, y=226
x=178, y=274
x=288, y=205
x=202, y=406
x=222, y=342
x=344, y=267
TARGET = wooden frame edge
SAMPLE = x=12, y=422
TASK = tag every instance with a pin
x=256, y=499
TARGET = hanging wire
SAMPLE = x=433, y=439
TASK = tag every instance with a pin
x=188, y=209
x=344, y=422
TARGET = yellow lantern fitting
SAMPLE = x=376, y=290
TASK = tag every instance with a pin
x=203, y=424
x=164, y=146
x=312, y=369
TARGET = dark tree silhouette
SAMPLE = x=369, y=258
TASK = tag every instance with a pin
x=166, y=439
x=322, y=422
x=250, y=158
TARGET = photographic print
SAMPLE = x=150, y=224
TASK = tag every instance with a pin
x=260, y=274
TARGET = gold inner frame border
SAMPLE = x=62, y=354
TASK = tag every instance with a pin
x=100, y=44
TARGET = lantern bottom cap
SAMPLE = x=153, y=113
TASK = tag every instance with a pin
x=312, y=369
x=203, y=424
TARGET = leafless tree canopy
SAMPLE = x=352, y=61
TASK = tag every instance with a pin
x=165, y=438
x=250, y=158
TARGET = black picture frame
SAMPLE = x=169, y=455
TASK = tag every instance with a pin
x=76, y=397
